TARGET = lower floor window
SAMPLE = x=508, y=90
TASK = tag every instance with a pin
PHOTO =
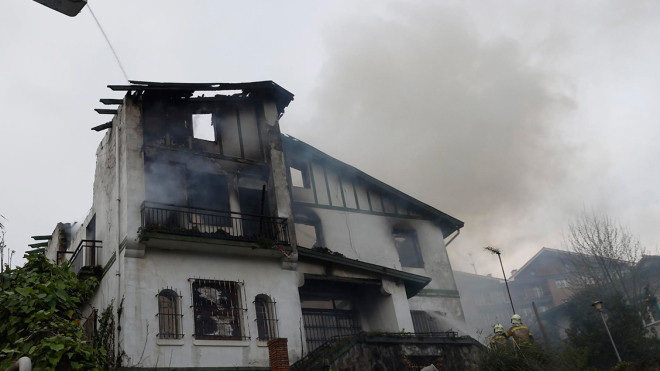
x=218, y=310
x=266, y=317
x=169, y=314
x=425, y=322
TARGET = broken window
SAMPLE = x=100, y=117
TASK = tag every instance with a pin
x=202, y=124
x=408, y=248
x=266, y=317
x=308, y=235
x=169, y=314
x=218, y=310
x=300, y=174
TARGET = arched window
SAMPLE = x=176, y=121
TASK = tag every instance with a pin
x=169, y=314
x=266, y=317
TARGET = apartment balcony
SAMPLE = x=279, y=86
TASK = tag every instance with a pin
x=197, y=225
x=85, y=255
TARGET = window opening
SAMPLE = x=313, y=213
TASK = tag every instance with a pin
x=169, y=314
x=218, y=310
x=203, y=126
x=300, y=174
x=297, y=178
x=307, y=235
x=407, y=246
x=266, y=317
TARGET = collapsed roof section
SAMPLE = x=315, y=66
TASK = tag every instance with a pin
x=281, y=96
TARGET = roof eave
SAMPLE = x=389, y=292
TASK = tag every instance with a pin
x=413, y=282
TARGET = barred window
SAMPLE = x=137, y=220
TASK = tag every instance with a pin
x=89, y=327
x=169, y=314
x=218, y=310
x=425, y=322
x=266, y=317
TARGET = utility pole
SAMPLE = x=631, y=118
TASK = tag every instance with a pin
x=498, y=252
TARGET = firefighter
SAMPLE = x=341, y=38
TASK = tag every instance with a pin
x=519, y=332
x=499, y=338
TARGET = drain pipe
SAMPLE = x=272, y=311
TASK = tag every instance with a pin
x=117, y=259
x=23, y=364
x=458, y=231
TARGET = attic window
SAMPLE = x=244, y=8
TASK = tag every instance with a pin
x=203, y=126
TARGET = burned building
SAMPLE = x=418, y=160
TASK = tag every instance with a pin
x=218, y=233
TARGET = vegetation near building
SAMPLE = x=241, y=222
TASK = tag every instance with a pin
x=40, y=317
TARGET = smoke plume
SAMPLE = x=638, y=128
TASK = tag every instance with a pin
x=467, y=124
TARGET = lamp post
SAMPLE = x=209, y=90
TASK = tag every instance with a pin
x=599, y=307
x=498, y=252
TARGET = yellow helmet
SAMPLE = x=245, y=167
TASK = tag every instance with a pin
x=516, y=319
x=498, y=328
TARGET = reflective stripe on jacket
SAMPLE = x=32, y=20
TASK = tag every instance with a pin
x=520, y=333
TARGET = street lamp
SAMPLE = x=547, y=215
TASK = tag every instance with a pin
x=497, y=252
x=599, y=307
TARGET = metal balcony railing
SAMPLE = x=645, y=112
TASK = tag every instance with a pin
x=85, y=255
x=170, y=219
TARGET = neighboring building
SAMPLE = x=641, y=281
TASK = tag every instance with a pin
x=217, y=233
x=648, y=271
x=545, y=280
x=485, y=302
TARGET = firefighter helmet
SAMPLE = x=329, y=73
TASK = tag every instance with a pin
x=516, y=319
x=498, y=328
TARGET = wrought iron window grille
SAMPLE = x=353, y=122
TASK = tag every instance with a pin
x=218, y=309
x=266, y=318
x=169, y=314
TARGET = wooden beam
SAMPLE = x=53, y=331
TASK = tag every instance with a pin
x=105, y=111
x=108, y=101
x=107, y=125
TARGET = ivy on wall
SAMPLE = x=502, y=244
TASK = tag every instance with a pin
x=40, y=318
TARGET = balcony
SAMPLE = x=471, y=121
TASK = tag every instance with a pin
x=265, y=231
x=85, y=255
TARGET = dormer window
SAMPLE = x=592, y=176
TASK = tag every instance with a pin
x=407, y=246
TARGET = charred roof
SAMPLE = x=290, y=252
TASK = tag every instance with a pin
x=281, y=96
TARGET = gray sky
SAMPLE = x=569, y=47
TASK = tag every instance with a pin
x=513, y=116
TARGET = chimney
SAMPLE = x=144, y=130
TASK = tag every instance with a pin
x=278, y=354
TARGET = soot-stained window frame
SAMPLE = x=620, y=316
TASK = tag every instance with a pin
x=266, y=317
x=217, y=308
x=406, y=252
x=170, y=315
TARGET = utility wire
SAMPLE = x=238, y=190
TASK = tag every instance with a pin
x=109, y=44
